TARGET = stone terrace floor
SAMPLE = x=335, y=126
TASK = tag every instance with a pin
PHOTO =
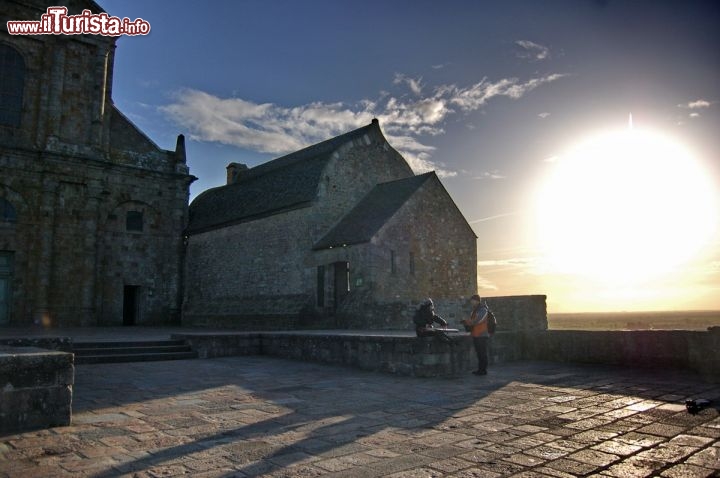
x=250, y=416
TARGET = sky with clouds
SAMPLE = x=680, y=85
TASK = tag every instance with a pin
x=488, y=94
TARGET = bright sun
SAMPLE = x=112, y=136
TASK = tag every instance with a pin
x=624, y=206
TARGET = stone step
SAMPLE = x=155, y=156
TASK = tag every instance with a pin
x=137, y=343
x=150, y=357
x=133, y=350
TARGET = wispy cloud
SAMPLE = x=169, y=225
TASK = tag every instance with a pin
x=543, y=115
x=551, y=159
x=531, y=50
x=490, y=175
x=485, y=284
x=516, y=261
x=490, y=218
x=407, y=121
x=697, y=104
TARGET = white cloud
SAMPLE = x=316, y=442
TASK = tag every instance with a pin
x=532, y=51
x=475, y=96
x=439, y=66
x=516, y=261
x=695, y=104
x=490, y=175
x=551, y=159
x=543, y=115
x=485, y=284
x=694, y=115
x=277, y=129
x=415, y=84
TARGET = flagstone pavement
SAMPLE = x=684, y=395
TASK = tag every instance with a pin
x=260, y=416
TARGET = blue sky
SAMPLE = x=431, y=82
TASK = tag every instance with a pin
x=487, y=93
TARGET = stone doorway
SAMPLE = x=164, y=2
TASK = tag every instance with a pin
x=6, y=259
x=131, y=303
x=342, y=283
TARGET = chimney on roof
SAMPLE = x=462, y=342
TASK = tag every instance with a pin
x=235, y=172
x=180, y=148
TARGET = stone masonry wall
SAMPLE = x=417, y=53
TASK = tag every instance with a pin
x=637, y=348
x=402, y=355
x=71, y=225
x=35, y=388
x=434, y=254
x=72, y=169
x=248, y=271
x=354, y=170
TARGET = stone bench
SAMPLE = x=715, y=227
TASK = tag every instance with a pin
x=36, y=388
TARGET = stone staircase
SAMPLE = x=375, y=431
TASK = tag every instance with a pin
x=139, y=351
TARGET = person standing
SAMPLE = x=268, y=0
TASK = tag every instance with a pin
x=478, y=323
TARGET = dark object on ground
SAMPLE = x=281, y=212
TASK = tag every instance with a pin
x=694, y=406
x=480, y=372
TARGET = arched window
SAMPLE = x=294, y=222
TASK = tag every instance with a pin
x=134, y=221
x=7, y=211
x=12, y=83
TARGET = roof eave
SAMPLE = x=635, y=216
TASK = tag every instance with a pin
x=255, y=217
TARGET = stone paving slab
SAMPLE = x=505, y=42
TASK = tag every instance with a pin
x=260, y=416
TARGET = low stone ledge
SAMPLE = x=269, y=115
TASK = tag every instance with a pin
x=35, y=388
x=398, y=353
x=63, y=344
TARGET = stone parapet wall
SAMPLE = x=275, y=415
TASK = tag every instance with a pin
x=400, y=354
x=36, y=388
x=519, y=312
x=695, y=350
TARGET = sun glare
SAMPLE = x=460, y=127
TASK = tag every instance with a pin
x=623, y=206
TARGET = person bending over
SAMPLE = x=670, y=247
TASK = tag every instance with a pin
x=424, y=320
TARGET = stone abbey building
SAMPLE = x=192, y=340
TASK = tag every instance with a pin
x=340, y=234
x=91, y=210
x=95, y=227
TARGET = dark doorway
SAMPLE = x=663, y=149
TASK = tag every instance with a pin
x=342, y=282
x=130, y=304
x=321, y=286
x=5, y=289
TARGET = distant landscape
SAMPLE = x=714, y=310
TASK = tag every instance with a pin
x=670, y=320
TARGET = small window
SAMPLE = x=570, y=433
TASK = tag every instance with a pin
x=321, y=286
x=12, y=83
x=393, y=266
x=7, y=211
x=134, y=221
x=412, y=263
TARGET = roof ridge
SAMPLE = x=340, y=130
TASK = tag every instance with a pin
x=425, y=176
x=308, y=152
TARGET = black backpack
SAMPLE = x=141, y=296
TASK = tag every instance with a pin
x=491, y=322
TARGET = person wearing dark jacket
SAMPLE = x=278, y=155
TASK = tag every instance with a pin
x=424, y=319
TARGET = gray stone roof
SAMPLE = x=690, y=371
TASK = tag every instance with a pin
x=283, y=184
x=372, y=212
